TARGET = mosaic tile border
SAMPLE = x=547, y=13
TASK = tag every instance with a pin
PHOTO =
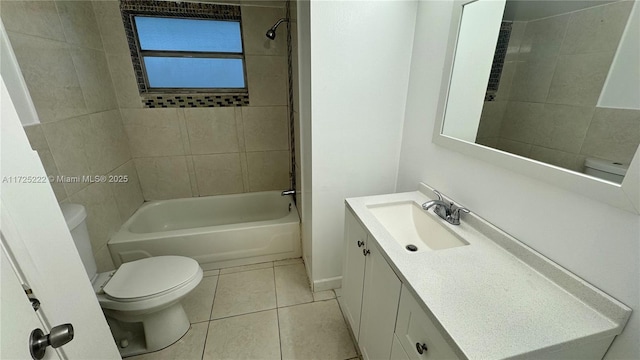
x=130, y=8
x=498, y=60
x=194, y=100
x=292, y=128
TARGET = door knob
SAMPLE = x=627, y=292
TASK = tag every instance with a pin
x=59, y=336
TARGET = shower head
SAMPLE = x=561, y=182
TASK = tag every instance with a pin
x=271, y=33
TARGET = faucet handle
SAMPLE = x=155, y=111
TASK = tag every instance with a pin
x=454, y=218
x=438, y=194
x=455, y=210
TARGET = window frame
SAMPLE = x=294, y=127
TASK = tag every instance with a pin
x=184, y=10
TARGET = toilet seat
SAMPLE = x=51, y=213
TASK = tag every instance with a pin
x=147, y=284
x=150, y=277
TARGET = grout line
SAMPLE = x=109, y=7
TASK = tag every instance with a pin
x=248, y=313
x=235, y=272
x=281, y=265
x=354, y=341
x=215, y=292
x=206, y=336
x=204, y=346
x=275, y=289
x=302, y=303
x=305, y=303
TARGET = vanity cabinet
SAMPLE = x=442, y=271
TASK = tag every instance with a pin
x=493, y=299
x=371, y=292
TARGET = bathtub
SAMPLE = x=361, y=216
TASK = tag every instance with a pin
x=217, y=231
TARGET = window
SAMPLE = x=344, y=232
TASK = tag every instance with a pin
x=190, y=54
x=185, y=48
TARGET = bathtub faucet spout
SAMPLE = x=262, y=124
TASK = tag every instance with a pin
x=288, y=192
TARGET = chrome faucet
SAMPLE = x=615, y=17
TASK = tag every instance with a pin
x=447, y=211
x=288, y=192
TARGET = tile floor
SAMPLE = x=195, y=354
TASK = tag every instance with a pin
x=261, y=311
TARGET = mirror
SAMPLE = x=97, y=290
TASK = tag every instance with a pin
x=542, y=86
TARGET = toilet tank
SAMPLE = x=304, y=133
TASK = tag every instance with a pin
x=605, y=169
x=75, y=215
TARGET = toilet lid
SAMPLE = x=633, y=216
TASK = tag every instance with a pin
x=150, y=276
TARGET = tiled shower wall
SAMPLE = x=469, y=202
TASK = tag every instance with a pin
x=208, y=151
x=545, y=108
x=62, y=58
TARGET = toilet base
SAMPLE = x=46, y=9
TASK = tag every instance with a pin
x=148, y=332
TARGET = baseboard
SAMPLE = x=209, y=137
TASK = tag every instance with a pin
x=327, y=284
x=307, y=267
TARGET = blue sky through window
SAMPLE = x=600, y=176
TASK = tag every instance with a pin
x=172, y=34
x=182, y=72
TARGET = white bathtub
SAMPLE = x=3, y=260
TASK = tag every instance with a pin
x=217, y=231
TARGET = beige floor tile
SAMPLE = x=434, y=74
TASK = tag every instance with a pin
x=211, y=273
x=324, y=295
x=251, y=336
x=198, y=303
x=190, y=347
x=287, y=262
x=236, y=269
x=292, y=285
x=244, y=292
x=314, y=331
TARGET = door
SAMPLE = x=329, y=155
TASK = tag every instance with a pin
x=18, y=317
x=353, y=270
x=397, y=351
x=36, y=236
x=379, y=306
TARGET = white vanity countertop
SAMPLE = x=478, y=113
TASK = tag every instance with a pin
x=495, y=298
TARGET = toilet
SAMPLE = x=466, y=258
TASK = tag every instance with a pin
x=605, y=169
x=141, y=299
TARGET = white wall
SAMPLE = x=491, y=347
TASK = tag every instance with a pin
x=360, y=57
x=304, y=128
x=593, y=240
x=475, y=48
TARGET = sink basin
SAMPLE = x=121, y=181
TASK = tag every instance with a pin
x=410, y=225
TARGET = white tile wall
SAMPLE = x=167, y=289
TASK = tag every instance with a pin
x=74, y=57
x=250, y=144
x=60, y=52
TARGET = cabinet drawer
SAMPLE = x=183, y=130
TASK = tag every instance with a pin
x=414, y=328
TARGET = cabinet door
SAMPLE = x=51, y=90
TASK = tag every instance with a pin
x=397, y=352
x=379, y=306
x=414, y=329
x=353, y=270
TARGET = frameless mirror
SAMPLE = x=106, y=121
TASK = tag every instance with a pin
x=544, y=87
